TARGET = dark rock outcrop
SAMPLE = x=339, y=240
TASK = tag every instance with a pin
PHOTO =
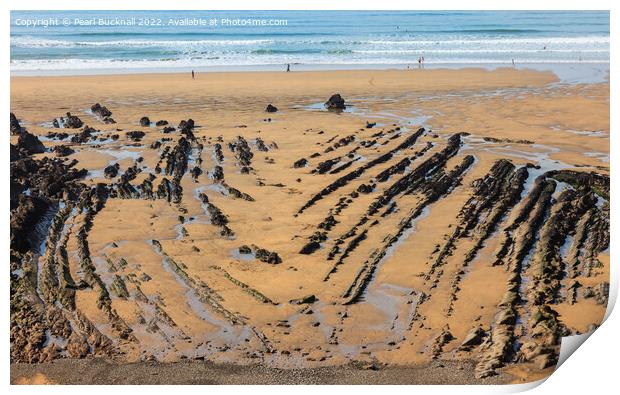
x=57, y=135
x=300, y=163
x=15, y=126
x=84, y=136
x=218, y=153
x=103, y=113
x=15, y=153
x=310, y=248
x=63, y=150
x=245, y=250
x=365, y=188
x=243, y=154
x=186, y=126
x=135, y=135
x=335, y=102
x=24, y=218
x=100, y=110
x=71, y=122
x=218, y=173
x=308, y=299
x=267, y=256
x=218, y=218
x=111, y=171
x=29, y=144
x=326, y=165
x=260, y=145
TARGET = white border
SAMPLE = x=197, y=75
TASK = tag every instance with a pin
x=314, y=5
x=593, y=369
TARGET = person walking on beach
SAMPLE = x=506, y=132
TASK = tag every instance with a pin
x=192, y=74
x=288, y=67
x=422, y=61
x=419, y=62
x=513, y=62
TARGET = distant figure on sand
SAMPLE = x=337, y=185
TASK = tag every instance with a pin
x=422, y=61
x=288, y=67
x=192, y=74
x=419, y=62
x=513, y=63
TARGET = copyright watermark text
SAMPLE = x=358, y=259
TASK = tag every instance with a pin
x=155, y=22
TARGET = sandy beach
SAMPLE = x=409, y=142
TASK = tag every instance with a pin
x=445, y=217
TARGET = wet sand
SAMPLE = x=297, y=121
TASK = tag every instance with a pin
x=194, y=295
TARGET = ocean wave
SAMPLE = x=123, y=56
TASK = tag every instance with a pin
x=32, y=42
x=35, y=42
x=512, y=31
x=306, y=51
x=499, y=41
x=284, y=51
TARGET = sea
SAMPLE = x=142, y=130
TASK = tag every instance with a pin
x=87, y=42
